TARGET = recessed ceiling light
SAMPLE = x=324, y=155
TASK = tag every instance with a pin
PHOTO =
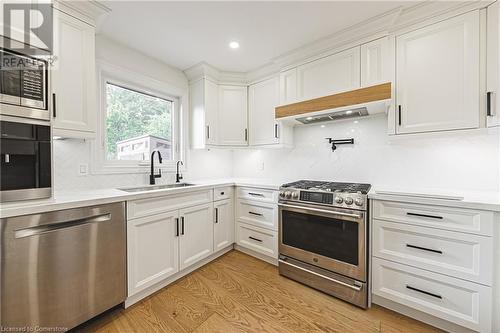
x=322, y=126
x=348, y=112
x=309, y=118
x=234, y=45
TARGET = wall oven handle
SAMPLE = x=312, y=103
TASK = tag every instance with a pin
x=354, y=287
x=357, y=216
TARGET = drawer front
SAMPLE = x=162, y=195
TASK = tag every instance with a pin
x=222, y=193
x=457, y=219
x=456, y=254
x=257, y=194
x=461, y=302
x=257, y=239
x=258, y=214
x=147, y=207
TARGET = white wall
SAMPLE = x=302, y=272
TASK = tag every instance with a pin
x=464, y=160
x=69, y=154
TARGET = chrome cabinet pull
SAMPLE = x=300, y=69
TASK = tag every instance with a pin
x=424, y=292
x=7, y=158
x=490, y=104
x=423, y=248
x=255, y=239
x=43, y=229
x=425, y=215
x=354, y=287
x=256, y=214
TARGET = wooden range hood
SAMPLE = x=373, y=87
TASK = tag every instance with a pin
x=355, y=98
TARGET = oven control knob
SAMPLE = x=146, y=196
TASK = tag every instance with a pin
x=282, y=194
x=288, y=194
x=348, y=201
x=339, y=200
x=359, y=202
x=295, y=195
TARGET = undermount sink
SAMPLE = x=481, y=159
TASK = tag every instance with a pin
x=155, y=187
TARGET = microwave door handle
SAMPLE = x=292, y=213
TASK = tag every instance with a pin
x=356, y=216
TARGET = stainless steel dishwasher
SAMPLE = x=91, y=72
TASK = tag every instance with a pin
x=61, y=268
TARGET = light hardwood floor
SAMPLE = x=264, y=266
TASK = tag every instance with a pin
x=238, y=293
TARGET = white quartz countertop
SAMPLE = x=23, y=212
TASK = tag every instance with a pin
x=462, y=199
x=81, y=198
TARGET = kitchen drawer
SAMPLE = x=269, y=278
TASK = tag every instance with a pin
x=452, y=253
x=147, y=207
x=259, y=214
x=464, y=303
x=257, y=194
x=456, y=219
x=222, y=193
x=257, y=239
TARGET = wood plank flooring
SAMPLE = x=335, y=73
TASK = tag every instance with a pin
x=238, y=293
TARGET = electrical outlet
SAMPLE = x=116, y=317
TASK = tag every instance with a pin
x=83, y=169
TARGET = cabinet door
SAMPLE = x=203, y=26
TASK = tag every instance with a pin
x=153, y=250
x=438, y=76
x=262, y=99
x=211, y=107
x=223, y=224
x=375, y=62
x=288, y=86
x=196, y=234
x=493, y=64
x=73, y=76
x=326, y=76
x=232, y=117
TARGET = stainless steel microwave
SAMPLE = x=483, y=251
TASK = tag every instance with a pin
x=23, y=85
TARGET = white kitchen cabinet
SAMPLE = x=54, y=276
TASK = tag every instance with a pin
x=288, y=87
x=263, y=97
x=437, y=76
x=204, y=97
x=493, y=64
x=152, y=247
x=74, y=111
x=196, y=234
x=232, y=129
x=329, y=75
x=223, y=224
x=375, y=62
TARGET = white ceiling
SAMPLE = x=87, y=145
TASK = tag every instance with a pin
x=183, y=34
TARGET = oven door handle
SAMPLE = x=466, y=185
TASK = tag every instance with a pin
x=356, y=216
x=354, y=287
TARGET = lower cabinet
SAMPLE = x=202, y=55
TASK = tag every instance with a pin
x=153, y=250
x=223, y=224
x=196, y=230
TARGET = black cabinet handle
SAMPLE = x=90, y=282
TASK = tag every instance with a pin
x=246, y=134
x=256, y=214
x=182, y=225
x=256, y=194
x=425, y=215
x=276, y=131
x=399, y=115
x=53, y=105
x=424, y=248
x=490, y=104
x=177, y=227
x=221, y=193
x=216, y=215
x=424, y=292
x=255, y=239
x=208, y=131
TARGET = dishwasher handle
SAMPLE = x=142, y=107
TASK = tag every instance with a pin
x=43, y=229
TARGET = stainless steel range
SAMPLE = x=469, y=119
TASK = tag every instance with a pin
x=323, y=236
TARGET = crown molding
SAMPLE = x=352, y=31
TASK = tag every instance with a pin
x=205, y=70
x=91, y=11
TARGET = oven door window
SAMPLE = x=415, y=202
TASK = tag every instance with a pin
x=327, y=236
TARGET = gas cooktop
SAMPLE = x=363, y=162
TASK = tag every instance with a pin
x=313, y=185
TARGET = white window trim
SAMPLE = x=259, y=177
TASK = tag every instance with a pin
x=128, y=79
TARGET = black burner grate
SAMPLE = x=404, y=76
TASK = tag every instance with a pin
x=329, y=186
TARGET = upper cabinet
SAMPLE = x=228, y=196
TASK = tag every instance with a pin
x=375, y=62
x=232, y=129
x=73, y=83
x=437, y=76
x=288, y=87
x=493, y=64
x=263, y=97
x=204, y=105
x=326, y=76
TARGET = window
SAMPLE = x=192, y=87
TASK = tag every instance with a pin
x=137, y=124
